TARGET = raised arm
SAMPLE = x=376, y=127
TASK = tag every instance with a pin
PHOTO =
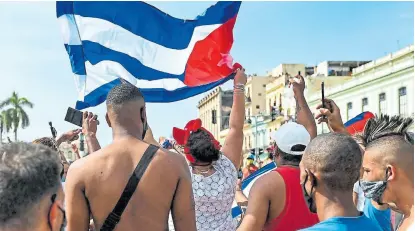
x=304, y=115
x=234, y=140
x=89, y=128
x=332, y=116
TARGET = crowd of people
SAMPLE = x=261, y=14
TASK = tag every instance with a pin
x=333, y=181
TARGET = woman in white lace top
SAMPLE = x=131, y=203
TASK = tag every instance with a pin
x=214, y=169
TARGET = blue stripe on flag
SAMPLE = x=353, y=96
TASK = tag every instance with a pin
x=131, y=15
x=359, y=117
x=96, y=53
x=236, y=211
x=63, y=8
x=76, y=56
x=152, y=95
x=257, y=173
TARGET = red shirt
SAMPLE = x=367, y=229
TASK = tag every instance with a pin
x=295, y=214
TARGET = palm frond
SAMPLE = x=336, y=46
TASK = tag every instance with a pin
x=6, y=119
x=25, y=102
x=6, y=102
x=24, y=118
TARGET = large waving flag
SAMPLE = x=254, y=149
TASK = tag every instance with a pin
x=169, y=59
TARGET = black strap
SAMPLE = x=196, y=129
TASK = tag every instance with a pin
x=115, y=216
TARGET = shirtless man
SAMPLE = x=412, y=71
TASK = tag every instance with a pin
x=95, y=183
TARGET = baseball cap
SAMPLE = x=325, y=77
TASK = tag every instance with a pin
x=289, y=135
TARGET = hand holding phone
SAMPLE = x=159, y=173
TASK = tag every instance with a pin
x=74, y=116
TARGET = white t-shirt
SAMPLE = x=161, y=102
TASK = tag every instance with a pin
x=361, y=196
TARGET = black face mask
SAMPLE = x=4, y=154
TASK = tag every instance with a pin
x=308, y=197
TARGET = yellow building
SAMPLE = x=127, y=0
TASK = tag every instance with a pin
x=215, y=104
x=254, y=104
x=274, y=94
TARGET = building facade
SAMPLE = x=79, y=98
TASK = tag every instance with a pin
x=383, y=86
x=215, y=106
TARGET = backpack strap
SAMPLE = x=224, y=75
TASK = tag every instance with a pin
x=114, y=217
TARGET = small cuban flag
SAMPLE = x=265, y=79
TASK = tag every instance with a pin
x=169, y=59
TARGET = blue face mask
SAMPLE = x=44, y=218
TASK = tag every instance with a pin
x=63, y=178
x=374, y=189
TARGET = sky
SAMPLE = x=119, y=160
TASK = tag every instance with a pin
x=34, y=63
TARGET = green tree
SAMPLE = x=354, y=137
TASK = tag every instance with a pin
x=5, y=123
x=18, y=115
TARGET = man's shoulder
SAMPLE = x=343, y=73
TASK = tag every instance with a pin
x=269, y=182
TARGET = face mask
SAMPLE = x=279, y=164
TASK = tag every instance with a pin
x=63, y=179
x=374, y=189
x=308, y=198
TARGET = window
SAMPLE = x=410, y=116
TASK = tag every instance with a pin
x=259, y=94
x=349, y=110
x=264, y=85
x=257, y=106
x=365, y=104
x=402, y=101
x=382, y=103
x=275, y=101
x=249, y=113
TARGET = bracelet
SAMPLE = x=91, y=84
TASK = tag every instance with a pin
x=238, y=92
x=239, y=87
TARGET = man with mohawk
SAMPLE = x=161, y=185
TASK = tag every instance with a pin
x=388, y=165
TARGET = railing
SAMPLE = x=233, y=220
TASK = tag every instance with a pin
x=362, y=78
x=384, y=59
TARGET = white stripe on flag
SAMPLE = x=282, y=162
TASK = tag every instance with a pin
x=107, y=71
x=69, y=30
x=150, y=54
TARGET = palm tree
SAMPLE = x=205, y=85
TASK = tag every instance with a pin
x=17, y=113
x=5, y=123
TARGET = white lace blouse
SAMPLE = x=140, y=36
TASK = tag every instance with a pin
x=214, y=195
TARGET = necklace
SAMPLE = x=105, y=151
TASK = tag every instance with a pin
x=203, y=172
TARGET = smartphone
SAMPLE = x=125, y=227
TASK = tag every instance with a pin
x=74, y=116
x=322, y=95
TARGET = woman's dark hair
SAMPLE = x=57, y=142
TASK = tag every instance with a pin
x=201, y=147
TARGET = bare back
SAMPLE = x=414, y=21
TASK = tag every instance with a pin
x=165, y=185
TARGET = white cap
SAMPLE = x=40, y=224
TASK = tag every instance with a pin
x=289, y=135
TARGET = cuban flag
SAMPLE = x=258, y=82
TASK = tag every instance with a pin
x=358, y=123
x=249, y=182
x=169, y=59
